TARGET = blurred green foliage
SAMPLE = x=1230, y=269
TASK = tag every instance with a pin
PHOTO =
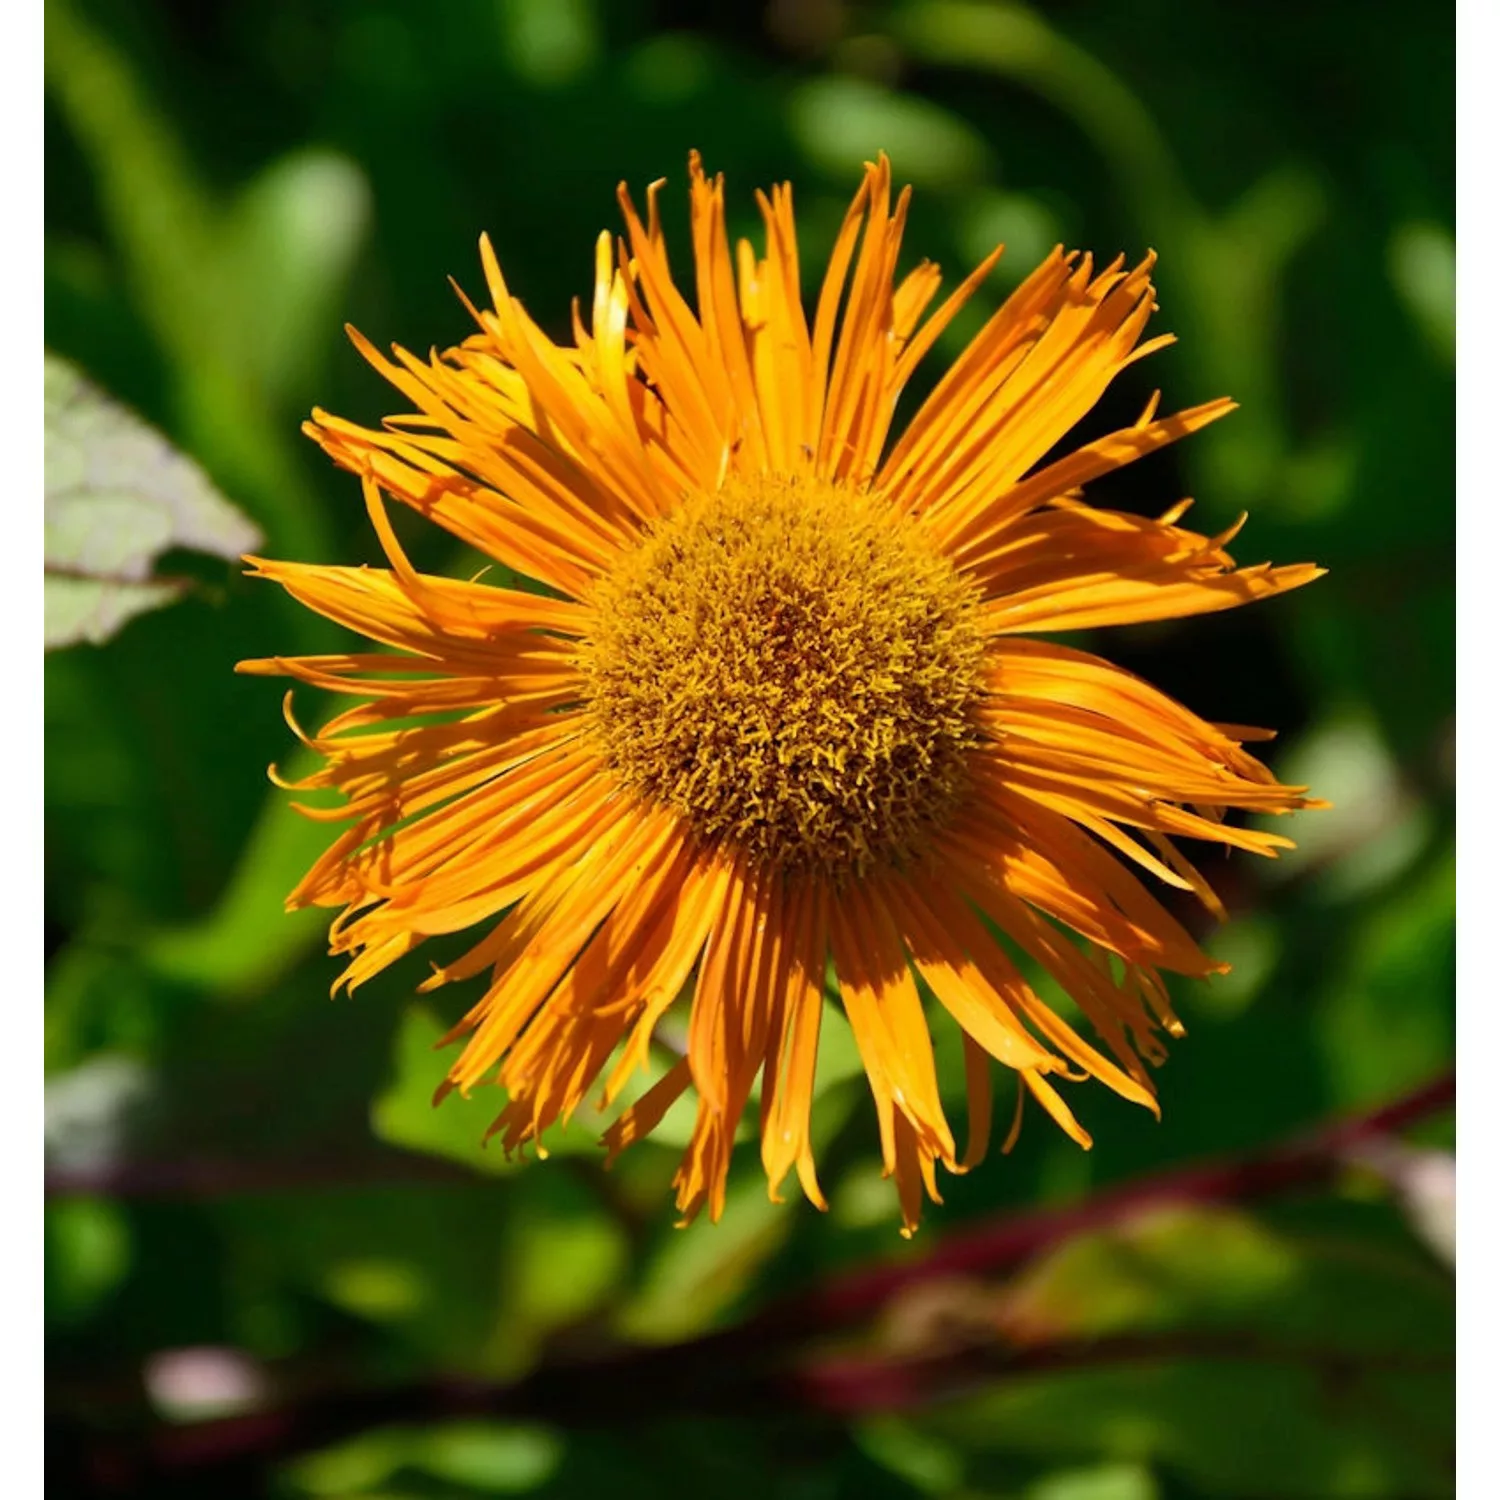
x=226, y=186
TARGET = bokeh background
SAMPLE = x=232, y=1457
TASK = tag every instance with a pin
x=252, y=1207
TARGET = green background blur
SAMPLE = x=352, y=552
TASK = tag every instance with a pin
x=252, y=1198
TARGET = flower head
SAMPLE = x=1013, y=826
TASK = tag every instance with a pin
x=769, y=719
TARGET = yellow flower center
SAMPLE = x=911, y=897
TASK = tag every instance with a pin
x=794, y=668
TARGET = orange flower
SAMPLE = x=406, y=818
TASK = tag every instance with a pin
x=767, y=719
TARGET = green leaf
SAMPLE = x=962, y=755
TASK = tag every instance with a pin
x=1024, y=225
x=564, y=1260
x=1423, y=269
x=699, y=1272
x=933, y=1467
x=292, y=236
x=493, y=1458
x=1376, y=827
x=842, y=122
x=118, y=495
x=1106, y=1482
x=88, y=1251
x=404, y=1114
x=1387, y=1020
x=550, y=43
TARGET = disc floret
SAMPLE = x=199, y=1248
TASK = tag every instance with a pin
x=790, y=666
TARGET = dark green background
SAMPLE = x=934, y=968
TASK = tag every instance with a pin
x=244, y=1165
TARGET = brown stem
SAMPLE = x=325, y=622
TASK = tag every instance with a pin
x=222, y=1177
x=858, y=1387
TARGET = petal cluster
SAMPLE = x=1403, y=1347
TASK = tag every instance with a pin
x=475, y=797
